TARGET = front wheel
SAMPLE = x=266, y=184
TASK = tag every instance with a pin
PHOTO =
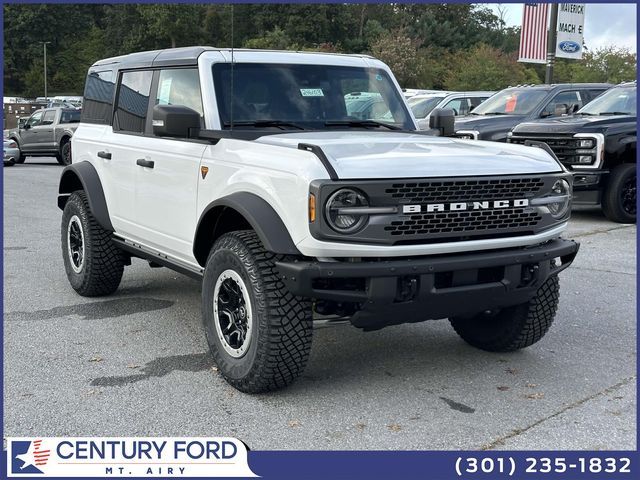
x=94, y=264
x=259, y=334
x=515, y=327
x=619, y=197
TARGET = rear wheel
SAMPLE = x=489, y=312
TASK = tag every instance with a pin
x=259, y=334
x=64, y=157
x=94, y=265
x=619, y=198
x=515, y=327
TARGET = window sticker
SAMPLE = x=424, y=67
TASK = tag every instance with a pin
x=311, y=92
x=164, y=92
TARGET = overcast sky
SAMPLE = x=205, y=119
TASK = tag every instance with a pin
x=606, y=24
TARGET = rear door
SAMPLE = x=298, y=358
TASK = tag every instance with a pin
x=44, y=138
x=123, y=142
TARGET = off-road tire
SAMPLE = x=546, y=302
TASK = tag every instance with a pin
x=64, y=157
x=515, y=327
x=103, y=260
x=282, y=323
x=612, y=197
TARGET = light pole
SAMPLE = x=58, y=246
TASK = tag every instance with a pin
x=551, y=43
x=44, y=45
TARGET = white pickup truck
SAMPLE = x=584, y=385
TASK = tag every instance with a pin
x=247, y=169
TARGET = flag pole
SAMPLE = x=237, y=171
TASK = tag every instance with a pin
x=551, y=43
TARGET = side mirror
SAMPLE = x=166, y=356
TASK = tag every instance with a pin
x=443, y=120
x=26, y=126
x=174, y=120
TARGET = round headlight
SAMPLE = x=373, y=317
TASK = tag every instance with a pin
x=342, y=210
x=560, y=189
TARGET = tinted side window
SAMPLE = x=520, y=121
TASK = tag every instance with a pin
x=35, y=119
x=475, y=101
x=571, y=99
x=98, y=97
x=180, y=87
x=133, y=101
x=591, y=94
x=70, y=116
x=460, y=106
x=49, y=117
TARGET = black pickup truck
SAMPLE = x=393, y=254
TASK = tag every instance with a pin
x=598, y=144
x=495, y=117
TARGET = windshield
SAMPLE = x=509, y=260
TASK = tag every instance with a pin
x=617, y=101
x=421, y=107
x=513, y=101
x=308, y=97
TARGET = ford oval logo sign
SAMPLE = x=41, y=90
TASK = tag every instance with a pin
x=569, y=46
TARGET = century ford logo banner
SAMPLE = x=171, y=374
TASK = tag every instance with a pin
x=127, y=457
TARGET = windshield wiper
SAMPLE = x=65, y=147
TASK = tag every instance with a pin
x=495, y=113
x=265, y=123
x=615, y=113
x=584, y=113
x=359, y=123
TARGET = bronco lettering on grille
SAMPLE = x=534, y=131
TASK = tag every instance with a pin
x=459, y=206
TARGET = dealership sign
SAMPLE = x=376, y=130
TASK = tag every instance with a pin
x=570, y=30
x=127, y=457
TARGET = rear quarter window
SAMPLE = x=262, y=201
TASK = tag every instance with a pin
x=98, y=97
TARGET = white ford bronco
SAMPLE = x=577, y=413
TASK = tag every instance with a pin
x=296, y=186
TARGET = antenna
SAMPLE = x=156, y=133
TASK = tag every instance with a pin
x=232, y=63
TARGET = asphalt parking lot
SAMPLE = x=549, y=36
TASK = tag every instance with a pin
x=136, y=363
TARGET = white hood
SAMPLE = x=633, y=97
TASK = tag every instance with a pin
x=375, y=154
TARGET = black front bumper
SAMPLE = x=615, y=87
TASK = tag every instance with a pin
x=389, y=292
x=588, y=185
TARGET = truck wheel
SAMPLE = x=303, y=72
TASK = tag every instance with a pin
x=64, y=158
x=21, y=158
x=515, y=327
x=94, y=265
x=259, y=334
x=619, y=198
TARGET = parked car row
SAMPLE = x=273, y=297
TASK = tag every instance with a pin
x=47, y=132
x=590, y=127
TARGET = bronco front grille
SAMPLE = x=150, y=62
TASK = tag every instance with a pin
x=445, y=209
x=485, y=221
x=464, y=190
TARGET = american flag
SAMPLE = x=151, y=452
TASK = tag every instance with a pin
x=533, y=35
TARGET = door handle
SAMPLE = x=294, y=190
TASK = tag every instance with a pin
x=145, y=163
x=105, y=155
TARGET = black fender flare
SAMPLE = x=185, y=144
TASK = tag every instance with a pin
x=83, y=176
x=257, y=212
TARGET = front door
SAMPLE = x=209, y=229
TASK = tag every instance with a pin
x=166, y=189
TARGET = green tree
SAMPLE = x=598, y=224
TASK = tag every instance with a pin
x=485, y=68
x=276, y=39
x=399, y=52
x=609, y=64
